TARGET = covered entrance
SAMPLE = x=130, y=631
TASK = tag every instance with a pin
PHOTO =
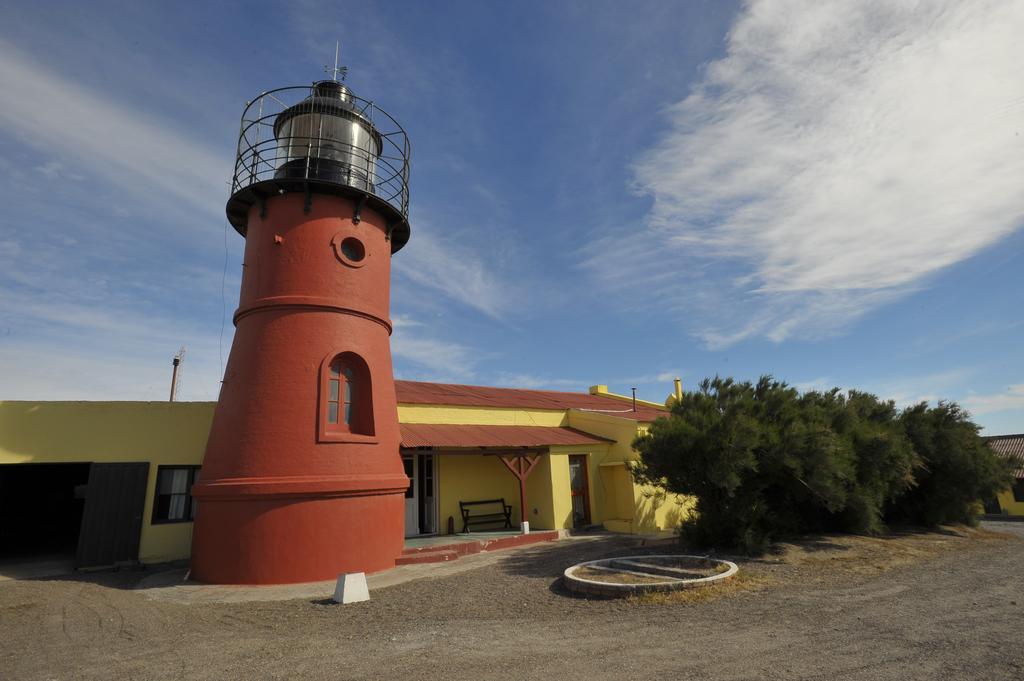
x=420, y=506
x=492, y=478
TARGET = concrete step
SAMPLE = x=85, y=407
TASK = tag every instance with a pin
x=520, y=540
x=463, y=548
x=438, y=553
x=419, y=557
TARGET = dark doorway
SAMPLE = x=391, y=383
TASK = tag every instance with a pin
x=425, y=480
x=41, y=509
x=112, y=519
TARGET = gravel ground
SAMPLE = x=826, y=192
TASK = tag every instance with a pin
x=915, y=606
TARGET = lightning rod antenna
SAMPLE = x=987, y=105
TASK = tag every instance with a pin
x=337, y=70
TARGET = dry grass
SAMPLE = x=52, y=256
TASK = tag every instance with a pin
x=871, y=555
x=739, y=583
x=828, y=558
x=618, y=577
x=629, y=572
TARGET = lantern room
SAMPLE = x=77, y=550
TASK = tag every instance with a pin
x=326, y=137
x=321, y=139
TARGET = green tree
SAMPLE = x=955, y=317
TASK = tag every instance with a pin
x=763, y=461
x=957, y=469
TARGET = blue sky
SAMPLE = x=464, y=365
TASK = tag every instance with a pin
x=602, y=192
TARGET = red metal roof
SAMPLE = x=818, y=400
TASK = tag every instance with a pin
x=449, y=435
x=1009, y=446
x=415, y=392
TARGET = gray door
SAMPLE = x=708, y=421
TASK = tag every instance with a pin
x=112, y=519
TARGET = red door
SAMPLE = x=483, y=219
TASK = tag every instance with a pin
x=580, y=489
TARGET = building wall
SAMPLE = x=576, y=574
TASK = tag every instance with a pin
x=162, y=433
x=475, y=477
x=477, y=416
x=544, y=504
x=615, y=480
x=615, y=500
x=561, y=491
x=472, y=477
x=1008, y=505
x=561, y=486
x=653, y=510
x=165, y=433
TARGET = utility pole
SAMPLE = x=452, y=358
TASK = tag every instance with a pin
x=176, y=364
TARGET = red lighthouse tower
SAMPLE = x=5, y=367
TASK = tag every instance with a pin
x=302, y=478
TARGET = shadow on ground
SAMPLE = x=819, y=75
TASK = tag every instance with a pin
x=128, y=578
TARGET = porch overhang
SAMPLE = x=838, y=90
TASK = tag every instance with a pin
x=519, y=448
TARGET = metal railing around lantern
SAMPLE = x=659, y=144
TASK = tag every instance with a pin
x=299, y=134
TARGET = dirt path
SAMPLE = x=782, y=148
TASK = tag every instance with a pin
x=917, y=607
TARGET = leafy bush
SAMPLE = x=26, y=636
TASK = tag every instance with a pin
x=957, y=468
x=763, y=461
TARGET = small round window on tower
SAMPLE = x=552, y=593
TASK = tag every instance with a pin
x=352, y=248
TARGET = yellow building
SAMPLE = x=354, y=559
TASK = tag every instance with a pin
x=1010, y=501
x=110, y=481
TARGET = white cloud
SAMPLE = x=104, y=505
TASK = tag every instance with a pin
x=1012, y=398
x=404, y=321
x=55, y=170
x=819, y=384
x=833, y=159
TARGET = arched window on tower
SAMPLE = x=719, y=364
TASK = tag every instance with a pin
x=346, y=396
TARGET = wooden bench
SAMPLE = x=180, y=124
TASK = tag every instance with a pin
x=500, y=512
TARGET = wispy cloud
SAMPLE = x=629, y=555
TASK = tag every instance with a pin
x=819, y=384
x=838, y=155
x=463, y=262
x=904, y=390
x=432, y=358
x=1010, y=399
x=96, y=137
x=666, y=376
x=399, y=321
x=445, y=266
x=55, y=170
x=76, y=347
x=535, y=382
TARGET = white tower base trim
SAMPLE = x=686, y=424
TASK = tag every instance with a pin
x=524, y=527
x=351, y=588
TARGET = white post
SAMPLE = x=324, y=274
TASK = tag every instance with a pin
x=351, y=588
x=524, y=527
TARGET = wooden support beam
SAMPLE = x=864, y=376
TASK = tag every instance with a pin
x=520, y=465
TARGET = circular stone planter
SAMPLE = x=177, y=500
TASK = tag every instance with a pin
x=630, y=575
